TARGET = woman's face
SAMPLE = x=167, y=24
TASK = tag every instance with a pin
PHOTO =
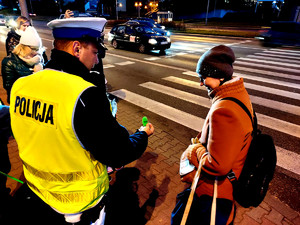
x=34, y=51
x=210, y=83
x=29, y=51
x=24, y=26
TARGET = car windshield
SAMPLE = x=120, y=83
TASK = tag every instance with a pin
x=144, y=29
x=147, y=19
x=147, y=24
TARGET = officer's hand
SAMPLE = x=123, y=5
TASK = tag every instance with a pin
x=69, y=13
x=149, y=129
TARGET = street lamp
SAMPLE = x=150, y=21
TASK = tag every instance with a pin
x=138, y=6
x=154, y=6
x=118, y=4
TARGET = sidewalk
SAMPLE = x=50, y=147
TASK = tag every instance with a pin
x=159, y=167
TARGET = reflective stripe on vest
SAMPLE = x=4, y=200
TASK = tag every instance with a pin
x=56, y=165
x=70, y=177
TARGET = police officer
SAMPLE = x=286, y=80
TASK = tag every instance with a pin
x=63, y=125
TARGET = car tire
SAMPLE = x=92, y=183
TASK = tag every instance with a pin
x=142, y=48
x=115, y=44
x=162, y=52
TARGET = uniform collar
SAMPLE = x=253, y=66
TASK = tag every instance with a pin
x=63, y=61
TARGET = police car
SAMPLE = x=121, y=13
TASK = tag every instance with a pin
x=138, y=36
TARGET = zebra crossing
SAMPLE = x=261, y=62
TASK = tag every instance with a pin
x=260, y=71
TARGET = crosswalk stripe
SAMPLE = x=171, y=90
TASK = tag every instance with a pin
x=191, y=73
x=181, y=53
x=184, y=82
x=288, y=160
x=285, y=50
x=204, y=101
x=196, y=99
x=266, y=72
x=277, y=56
x=285, y=159
x=296, y=71
x=247, y=85
x=273, y=91
x=152, y=58
x=166, y=111
x=148, y=62
x=269, y=62
x=125, y=63
x=262, y=79
x=106, y=66
x=189, y=46
x=279, y=125
x=281, y=106
x=267, y=80
x=274, y=59
x=297, y=53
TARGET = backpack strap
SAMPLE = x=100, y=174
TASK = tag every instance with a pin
x=242, y=105
x=231, y=175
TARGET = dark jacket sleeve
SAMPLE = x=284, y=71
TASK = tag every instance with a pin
x=8, y=73
x=13, y=68
x=5, y=129
x=100, y=133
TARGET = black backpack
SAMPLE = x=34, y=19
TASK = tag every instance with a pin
x=251, y=187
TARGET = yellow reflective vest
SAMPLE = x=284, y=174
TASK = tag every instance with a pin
x=56, y=166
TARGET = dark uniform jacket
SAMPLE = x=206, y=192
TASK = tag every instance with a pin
x=99, y=132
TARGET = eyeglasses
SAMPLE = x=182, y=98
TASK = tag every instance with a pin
x=34, y=48
x=202, y=78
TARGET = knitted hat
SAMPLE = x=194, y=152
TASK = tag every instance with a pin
x=216, y=63
x=31, y=38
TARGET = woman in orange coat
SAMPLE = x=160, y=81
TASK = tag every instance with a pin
x=226, y=135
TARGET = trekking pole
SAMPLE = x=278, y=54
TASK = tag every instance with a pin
x=12, y=177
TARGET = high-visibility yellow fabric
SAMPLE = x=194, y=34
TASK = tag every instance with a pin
x=57, y=167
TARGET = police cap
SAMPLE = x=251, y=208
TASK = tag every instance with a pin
x=84, y=28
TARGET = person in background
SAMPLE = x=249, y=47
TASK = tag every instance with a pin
x=225, y=137
x=14, y=35
x=68, y=134
x=25, y=59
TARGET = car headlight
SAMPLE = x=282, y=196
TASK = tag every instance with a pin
x=110, y=37
x=168, y=39
x=168, y=33
x=152, y=41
